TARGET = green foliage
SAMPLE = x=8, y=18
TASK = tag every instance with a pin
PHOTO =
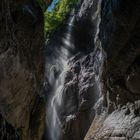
x=54, y=18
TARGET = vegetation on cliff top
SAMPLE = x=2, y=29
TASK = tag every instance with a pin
x=55, y=16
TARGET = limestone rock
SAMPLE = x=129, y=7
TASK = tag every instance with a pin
x=102, y=83
x=117, y=110
x=21, y=70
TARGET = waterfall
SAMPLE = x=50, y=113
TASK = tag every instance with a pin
x=56, y=79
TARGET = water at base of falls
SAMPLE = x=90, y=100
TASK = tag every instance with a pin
x=53, y=114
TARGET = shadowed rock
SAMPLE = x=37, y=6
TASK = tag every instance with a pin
x=103, y=75
x=21, y=70
x=117, y=110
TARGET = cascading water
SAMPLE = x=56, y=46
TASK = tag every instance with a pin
x=56, y=79
x=70, y=75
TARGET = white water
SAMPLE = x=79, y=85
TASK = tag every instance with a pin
x=53, y=118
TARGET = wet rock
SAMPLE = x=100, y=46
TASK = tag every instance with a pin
x=133, y=78
x=103, y=74
x=7, y=131
x=80, y=92
x=117, y=125
x=118, y=118
x=21, y=70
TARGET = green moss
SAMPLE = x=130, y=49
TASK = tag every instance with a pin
x=54, y=18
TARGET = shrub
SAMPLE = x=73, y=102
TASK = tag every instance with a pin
x=54, y=18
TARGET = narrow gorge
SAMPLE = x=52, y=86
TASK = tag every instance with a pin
x=69, y=70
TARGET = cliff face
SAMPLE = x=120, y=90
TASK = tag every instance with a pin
x=72, y=74
x=22, y=110
x=117, y=110
x=103, y=72
x=94, y=58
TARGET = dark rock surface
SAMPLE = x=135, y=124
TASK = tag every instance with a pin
x=117, y=110
x=81, y=87
x=101, y=81
x=7, y=132
x=21, y=70
x=103, y=78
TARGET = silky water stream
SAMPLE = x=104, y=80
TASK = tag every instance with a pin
x=56, y=79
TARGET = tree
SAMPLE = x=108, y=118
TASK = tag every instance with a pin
x=54, y=18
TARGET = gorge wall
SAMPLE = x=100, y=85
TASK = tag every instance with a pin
x=92, y=72
x=22, y=110
x=102, y=78
x=118, y=108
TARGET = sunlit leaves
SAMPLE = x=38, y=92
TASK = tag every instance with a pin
x=54, y=18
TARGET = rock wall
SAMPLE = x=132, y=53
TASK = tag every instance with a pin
x=21, y=70
x=81, y=88
x=103, y=78
x=117, y=110
x=101, y=84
